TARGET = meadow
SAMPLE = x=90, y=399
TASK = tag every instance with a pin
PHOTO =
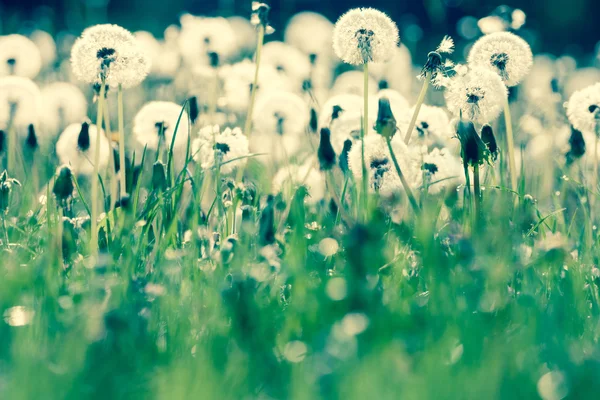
x=212, y=213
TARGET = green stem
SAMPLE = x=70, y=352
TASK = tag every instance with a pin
x=111, y=159
x=477, y=200
x=510, y=142
x=407, y=189
x=364, y=131
x=95, y=177
x=6, y=240
x=420, y=101
x=122, y=170
x=259, y=45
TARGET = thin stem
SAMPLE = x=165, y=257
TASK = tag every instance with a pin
x=12, y=140
x=477, y=200
x=420, y=101
x=510, y=142
x=329, y=180
x=259, y=45
x=95, y=178
x=407, y=189
x=122, y=169
x=364, y=131
x=111, y=159
x=5, y=240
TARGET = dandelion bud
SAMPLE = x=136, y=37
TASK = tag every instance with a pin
x=583, y=109
x=6, y=185
x=473, y=150
x=124, y=202
x=386, y=123
x=213, y=58
x=577, y=144
x=335, y=114
x=267, y=223
x=487, y=136
x=344, y=155
x=326, y=153
x=31, y=141
x=83, y=140
x=2, y=140
x=314, y=120
x=63, y=184
x=194, y=110
x=260, y=16
x=312, y=57
x=159, y=177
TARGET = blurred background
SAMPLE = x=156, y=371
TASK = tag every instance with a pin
x=553, y=26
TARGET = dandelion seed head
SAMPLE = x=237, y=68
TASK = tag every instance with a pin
x=200, y=36
x=245, y=34
x=288, y=61
x=64, y=104
x=311, y=33
x=479, y=95
x=164, y=59
x=583, y=109
x=432, y=127
x=158, y=118
x=365, y=35
x=81, y=160
x=342, y=114
x=46, y=45
x=109, y=52
x=19, y=56
x=289, y=178
x=439, y=170
x=504, y=53
x=352, y=82
x=20, y=102
x=446, y=45
x=396, y=73
x=229, y=145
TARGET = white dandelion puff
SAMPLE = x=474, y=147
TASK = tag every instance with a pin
x=76, y=147
x=229, y=145
x=19, y=56
x=438, y=170
x=20, y=102
x=504, y=53
x=311, y=33
x=46, y=45
x=288, y=61
x=156, y=123
x=432, y=127
x=342, y=114
x=446, y=45
x=165, y=59
x=289, y=178
x=352, y=82
x=479, y=95
x=110, y=53
x=200, y=36
x=64, y=104
x=364, y=35
x=583, y=109
x=397, y=73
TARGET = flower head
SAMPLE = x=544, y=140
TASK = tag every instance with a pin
x=260, y=16
x=342, y=114
x=20, y=102
x=165, y=59
x=156, y=122
x=311, y=33
x=432, y=127
x=46, y=45
x=76, y=147
x=504, y=53
x=583, y=109
x=64, y=104
x=479, y=95
x=19, y=56
x=200, y=37
x=396, y=73
x=287, y=61
x=109, y=53
x=288, y=178
x=439, y=170
x=229, y=145
x=364, y=35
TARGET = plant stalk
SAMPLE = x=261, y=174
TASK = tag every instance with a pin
x=407, y=189
x=420, y=101
x=259, y=45
x=95, y=177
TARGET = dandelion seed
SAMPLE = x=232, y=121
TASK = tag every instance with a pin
x=504, y=53
x=229, y=145
x=155, y=124
x=19, y=56
x=76, y=148
x=583, y=109
x=364, y=35
x=478, y=96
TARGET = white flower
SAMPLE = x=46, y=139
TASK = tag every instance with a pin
x=47, y=46
x=397, y=73
x=245, y=34
x=504, y=53
x=64, y=104
x=311, y=33
x=352, y=82
x=200, y=36
x=231, y=145
x=76, y=148
x=342, y=114
x=432, y=127
x=365, y=35
x=287, y=60
x=19, y=56
x=288, y=178
x=583, y=109
x=20, y=102
x=158, y=118
x=109, y=52
x=381, y=171
x=165, y=59
x=398, y=103
x=439, y=169
x=479, y=95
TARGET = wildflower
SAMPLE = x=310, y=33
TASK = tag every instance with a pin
x=288, y=61
x=325, y=153
x=386, y=122
x=245, y=35
x=577, y=146
x=487, y=136
x=111, y=54
x=504, y=53
x=164, y=59
x=583, y=109
x=6, y=184
x=432, y=127
x=364, y=35
x=31, y=141
x=288, y=178
x=382, y=176
x=396, y=73
x=200, y=36
x=76, y=147
x=260, y=16
x=63, y=185
x=440, y=170
x=436, y=67
x=19, y=56
x=20, y=102
x=398, y=103
x=46, y=45
x=155, y=125
x=229, y=145
x=352, y=82
x=338, y=108
x=473, y=151
x=311, y=33
x=64, y=104
x=479, y=95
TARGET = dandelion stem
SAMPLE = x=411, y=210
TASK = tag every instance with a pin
x=259, y=45
x=420, y=101
x=329, y=179
x=95, y=177
x=363, y=133
x=407, y=189
x=111, y=159
x=5, y=240
x=477, y=199
x=510, y=142
x=122, y=169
